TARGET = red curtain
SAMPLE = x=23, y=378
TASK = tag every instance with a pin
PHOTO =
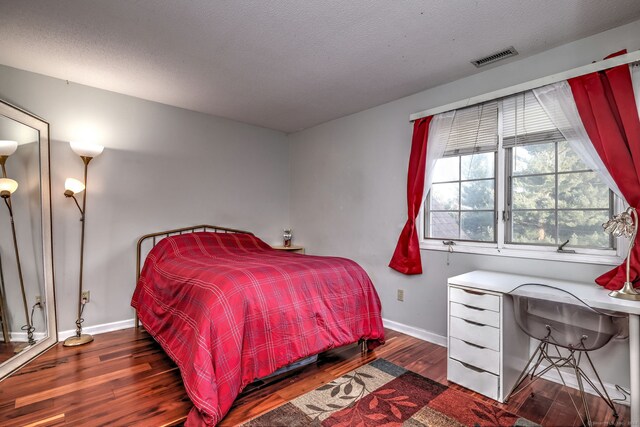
x=608, y=111
x=406, y=257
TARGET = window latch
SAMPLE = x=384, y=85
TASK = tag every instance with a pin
x=562, y=250
x=449, y=243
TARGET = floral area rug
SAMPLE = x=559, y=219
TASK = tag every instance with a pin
x=383, y=394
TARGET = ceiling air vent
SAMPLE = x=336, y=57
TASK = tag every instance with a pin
x=495, y=57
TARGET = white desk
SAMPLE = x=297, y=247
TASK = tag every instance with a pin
x=590, y=293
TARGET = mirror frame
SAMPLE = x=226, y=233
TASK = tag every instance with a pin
x=19, y=115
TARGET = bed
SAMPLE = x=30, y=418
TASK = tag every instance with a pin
x=229, y=309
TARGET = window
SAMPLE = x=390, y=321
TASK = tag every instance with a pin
x=552, y=197
x=509, y=180
x=462, y=204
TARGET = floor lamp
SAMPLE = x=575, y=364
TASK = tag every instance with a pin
x=7, y=188
x=86, y=151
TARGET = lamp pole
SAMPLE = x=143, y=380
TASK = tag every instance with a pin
x=28, y=327
x=3, y=160
x=80, y=338
x=86, y=161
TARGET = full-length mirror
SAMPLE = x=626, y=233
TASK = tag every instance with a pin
x=27, y=304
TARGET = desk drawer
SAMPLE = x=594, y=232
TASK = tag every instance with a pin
x=478, y=315
x=473, y=378
x=480, y=357
x=474, y=298
x=482, y=335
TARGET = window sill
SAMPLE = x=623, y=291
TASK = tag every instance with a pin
x=531, y=253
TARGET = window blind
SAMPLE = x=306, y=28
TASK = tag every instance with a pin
x=524, y=121
x=474, y=129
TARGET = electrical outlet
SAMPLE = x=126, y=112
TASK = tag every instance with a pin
x=86, y=296
x=38, y=299
x=400, y=294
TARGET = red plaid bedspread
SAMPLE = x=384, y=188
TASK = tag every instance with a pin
x=228, y=309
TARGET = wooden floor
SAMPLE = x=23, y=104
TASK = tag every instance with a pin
x=124, y=378
x=8, y=350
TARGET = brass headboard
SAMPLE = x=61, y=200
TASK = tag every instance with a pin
x=167, y=233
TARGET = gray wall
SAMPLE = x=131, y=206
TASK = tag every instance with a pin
x=348, y=189
x=163, y=167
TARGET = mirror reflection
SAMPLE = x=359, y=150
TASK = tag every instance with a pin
x=22, y=291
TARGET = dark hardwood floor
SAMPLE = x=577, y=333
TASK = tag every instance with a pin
x=8, y=350
x=124, y=378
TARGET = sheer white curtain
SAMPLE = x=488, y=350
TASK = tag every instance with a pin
x=557, y=101
x=439, y=131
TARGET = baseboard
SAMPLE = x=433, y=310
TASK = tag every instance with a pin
x=98, y=329
x=415, y=332
x=22, y=336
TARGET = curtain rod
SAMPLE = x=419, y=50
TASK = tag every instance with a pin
x=627, y=58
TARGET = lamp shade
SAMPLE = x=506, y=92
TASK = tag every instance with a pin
x=621, y=224
x=7, y=147
x=73, y=185
x=86, y=149
x=7, y=184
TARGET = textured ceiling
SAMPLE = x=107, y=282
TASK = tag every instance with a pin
x=285, y=64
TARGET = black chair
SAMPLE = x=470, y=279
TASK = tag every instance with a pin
x=560, y=320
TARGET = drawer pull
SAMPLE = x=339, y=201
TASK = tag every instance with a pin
x=473, y=308
x=472, y=344
x=473, y=368
x=473, y=323
x=473, y=292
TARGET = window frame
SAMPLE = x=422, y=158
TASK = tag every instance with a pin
x=584, y=255
x=494, y=211
x=509, y=210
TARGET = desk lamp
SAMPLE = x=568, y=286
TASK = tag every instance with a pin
x=625, y=224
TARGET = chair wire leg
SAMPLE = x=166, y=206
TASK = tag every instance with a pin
x=531, y=370
x=569, y=360
x=559, y=362
x=525, y=372
x=583, y=396
x=606, y=397
x=596, y=388
x=544, y=345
